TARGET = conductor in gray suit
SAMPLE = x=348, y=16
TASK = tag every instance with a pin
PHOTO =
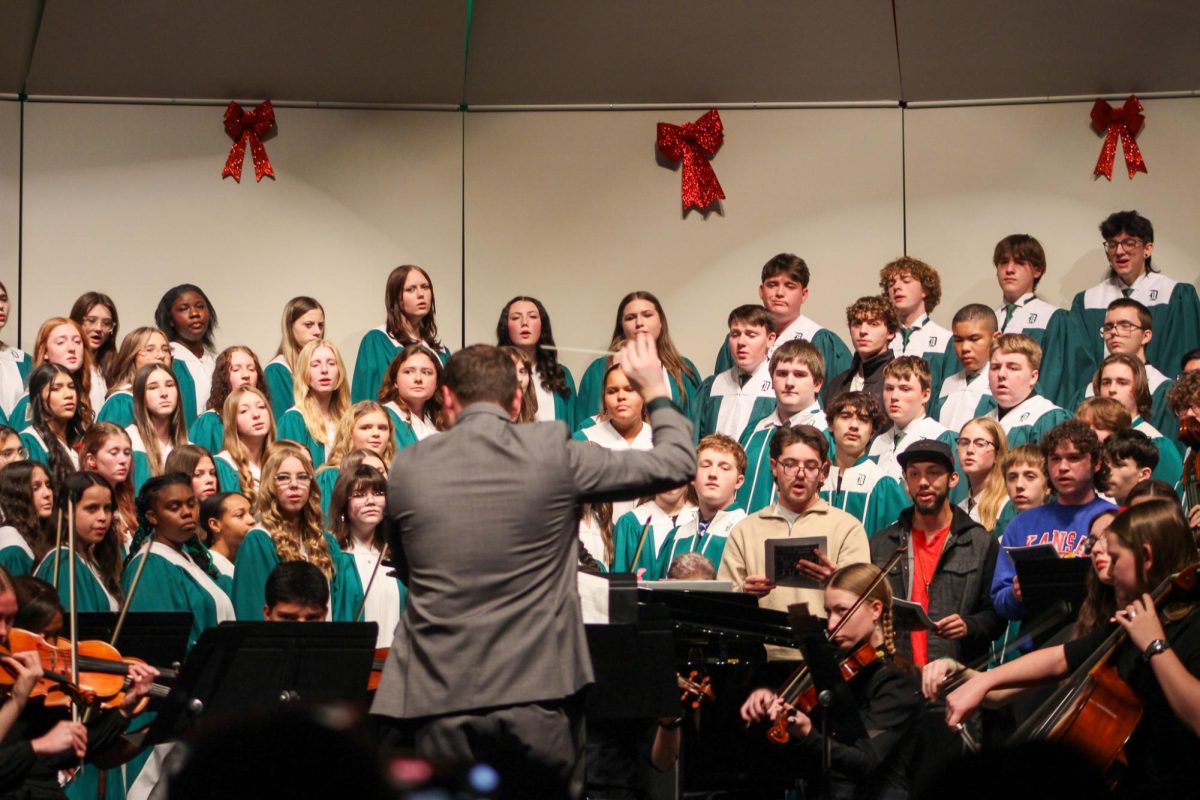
x=489, y=659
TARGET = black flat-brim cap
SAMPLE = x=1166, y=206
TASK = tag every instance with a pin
x=927, y=450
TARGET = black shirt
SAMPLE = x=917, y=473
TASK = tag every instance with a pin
x=1163, y=752
x=890, y=702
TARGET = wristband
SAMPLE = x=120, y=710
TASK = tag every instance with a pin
x=1154, y=648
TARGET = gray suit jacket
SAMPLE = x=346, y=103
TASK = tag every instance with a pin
x=484, y=523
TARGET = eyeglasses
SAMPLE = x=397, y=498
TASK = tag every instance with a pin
x=10, y=453
x=1124, y=327
x=790, y=467
x=980, y=444
x=105, y=324
x=1113, y=245
x=300, y=479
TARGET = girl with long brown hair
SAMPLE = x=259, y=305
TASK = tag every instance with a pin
x=638, y=314
x=411, y=319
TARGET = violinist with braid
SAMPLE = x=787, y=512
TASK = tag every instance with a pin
x=886, y=691
x=1159, y=657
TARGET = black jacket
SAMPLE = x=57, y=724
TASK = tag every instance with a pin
x=961, y=584
x=872, y=377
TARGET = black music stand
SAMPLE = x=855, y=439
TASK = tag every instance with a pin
x=254, y=666
x=1047, y=583
x=157, y=637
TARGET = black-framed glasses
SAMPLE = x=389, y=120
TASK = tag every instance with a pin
x=1113, y=245
x=1123, y=326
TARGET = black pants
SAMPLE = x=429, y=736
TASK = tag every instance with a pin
x=537, y=748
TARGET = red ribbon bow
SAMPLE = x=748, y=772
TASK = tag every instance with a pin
x=1118, y=123
x=248, y=126
x=695, y=143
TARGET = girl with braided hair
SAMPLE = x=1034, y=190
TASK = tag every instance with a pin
x=887, y=693
x=179, y=573
x=290, y=529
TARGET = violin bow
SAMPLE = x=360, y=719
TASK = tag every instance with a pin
x=793, y=682
x=57, y=548
x=71, y=600
x=641, y=543
x=862, y=598
x=362, y=606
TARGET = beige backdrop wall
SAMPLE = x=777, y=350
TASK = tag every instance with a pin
x=129, y=200
x=10, y=200
x=975, y=175
x=572, y=207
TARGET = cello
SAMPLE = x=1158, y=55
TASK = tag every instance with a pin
x=1095, y=711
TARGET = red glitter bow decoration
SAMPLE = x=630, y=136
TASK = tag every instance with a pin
x=248, y=126
x=1118, y=123
x=695, y=143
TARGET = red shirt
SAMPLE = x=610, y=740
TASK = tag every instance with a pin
x=927, y=551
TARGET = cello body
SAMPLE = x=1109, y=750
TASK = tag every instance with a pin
x=1101, y=718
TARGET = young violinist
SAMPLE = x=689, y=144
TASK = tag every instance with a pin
x=1159, y=657
x=40, y=741
x=886, y=694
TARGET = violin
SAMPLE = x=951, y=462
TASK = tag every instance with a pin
x=695, y=686
x=1095, y=711
x=102, y=677
x=798, y=686
x=805, y=699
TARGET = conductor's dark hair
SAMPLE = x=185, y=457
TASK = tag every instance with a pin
x=164, y=320
x=482, y=373
x=297, y=582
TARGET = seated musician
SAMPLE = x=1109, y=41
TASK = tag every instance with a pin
x=691, y=567
x=38, y=740
x=1159, y=657
x=886, y=692
x=296, y=591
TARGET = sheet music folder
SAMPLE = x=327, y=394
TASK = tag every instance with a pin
x=1047, y=579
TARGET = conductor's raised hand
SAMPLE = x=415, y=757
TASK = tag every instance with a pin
x=639, y=361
